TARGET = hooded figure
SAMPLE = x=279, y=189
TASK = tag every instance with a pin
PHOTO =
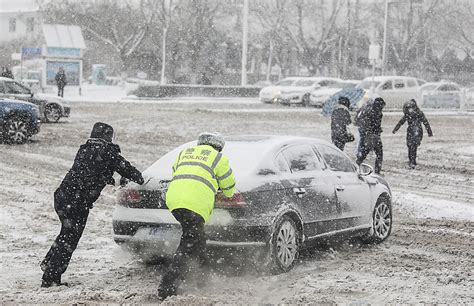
x=340, y=119
x=415, y=117
x=93, y=168
x=369, y=121
x=61, y=81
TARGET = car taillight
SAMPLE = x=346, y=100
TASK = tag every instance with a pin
x=129, y=196
x=237, y=200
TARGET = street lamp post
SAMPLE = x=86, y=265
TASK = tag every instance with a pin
x=384, y=44
x=245, y=30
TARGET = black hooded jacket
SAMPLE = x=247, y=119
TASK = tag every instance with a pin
x=93, y=168
x=415, y=117
x=340, y=119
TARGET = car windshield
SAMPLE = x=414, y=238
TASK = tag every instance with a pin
x=342, y=85
x=285, y=82
x=304, y=83
x=368, y=84
x=428, y=87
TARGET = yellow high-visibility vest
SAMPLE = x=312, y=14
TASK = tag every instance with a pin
x=198, y=173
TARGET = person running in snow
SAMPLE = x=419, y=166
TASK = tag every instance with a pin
x=415, y=117
x=95, y=163
x=340, y=119
x=369, y=121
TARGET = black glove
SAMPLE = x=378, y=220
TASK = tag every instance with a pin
x=123, y=181
x=111, y=181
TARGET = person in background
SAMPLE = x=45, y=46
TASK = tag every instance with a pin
x=93, y=168
x=369, y=121
x=198, y=172
x=61, y=81
x=6, y=73
x=340, y=119
x=415, y=117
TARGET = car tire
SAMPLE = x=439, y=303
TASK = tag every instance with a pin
x=15, y=130
x=52, y=113
x=382, y=220
x=284, y=246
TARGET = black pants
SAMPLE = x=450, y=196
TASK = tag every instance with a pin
x=192, y=247
x=370, y=143
x=340, y=144
x=412, y=154
x=60, y=91
x=73, y=221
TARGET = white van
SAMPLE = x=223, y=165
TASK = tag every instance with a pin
x=395, y=90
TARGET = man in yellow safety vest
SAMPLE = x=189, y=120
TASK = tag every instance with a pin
x=198, y=173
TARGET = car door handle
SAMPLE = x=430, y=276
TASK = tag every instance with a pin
x=340, y=188
x=299, y=191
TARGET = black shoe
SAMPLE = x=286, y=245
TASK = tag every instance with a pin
x=47, y=284
x=43, y=265
x=412, y=166
x=164, y=293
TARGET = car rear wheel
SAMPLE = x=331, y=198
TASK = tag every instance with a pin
x=381, y=222
x=15, y=130
x=52, y=113
x=284, y=245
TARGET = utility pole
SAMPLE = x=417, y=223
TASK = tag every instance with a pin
x=384, y=46
x=245, y=30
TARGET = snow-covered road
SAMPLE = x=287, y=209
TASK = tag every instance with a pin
x=429, y=257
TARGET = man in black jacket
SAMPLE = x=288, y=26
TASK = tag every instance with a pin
x=369, y=120
x=61, y=81
x=95, y=163
x=340, y=119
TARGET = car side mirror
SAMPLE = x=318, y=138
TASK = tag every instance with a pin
x=365, y=170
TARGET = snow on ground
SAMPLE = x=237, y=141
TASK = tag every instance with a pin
x=428, y=258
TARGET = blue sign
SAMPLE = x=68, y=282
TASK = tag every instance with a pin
x=30, y=52
x=64, y=52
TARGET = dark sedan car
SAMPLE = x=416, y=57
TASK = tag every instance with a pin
x=291, y=191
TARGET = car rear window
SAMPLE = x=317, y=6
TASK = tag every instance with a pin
x=304, y=83
x=285, y=82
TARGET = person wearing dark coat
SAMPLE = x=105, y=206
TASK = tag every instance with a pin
x=6, y=73
x=340, y=119
x=369, y=121
x=61, y=81
x=95, y=163
x=415, y=117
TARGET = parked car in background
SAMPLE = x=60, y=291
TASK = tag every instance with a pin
x=271, y=94
x=51, y=107
x=395, y=90
x=292, y=192
x=19, y=120
x=321, y=94
x=441, y=95
x=295, y=90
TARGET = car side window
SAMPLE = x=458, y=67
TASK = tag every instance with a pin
x=398, y=84
x=411, y=83
x=14, y=88
x=387, y=85
x=301, y=158
x=335, y=160
x=281, y=163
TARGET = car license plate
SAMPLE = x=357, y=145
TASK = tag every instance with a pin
x=165, y=234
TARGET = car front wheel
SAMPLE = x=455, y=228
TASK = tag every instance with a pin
x=284, y=245
x=52, y=113
x=16, y=130
x=381, y=222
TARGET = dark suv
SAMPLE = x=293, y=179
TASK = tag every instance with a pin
x=19, y=120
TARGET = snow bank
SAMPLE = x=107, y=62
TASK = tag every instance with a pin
x=427, y=207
